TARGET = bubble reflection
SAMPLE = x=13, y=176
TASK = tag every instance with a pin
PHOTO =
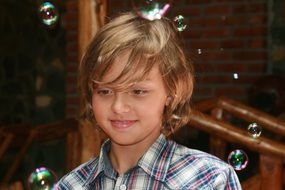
x=42, y=179
x=48, y=14
x=238, y=159
x=236, y=76
x=180, y=23
x=254, y=130
x=199, y=51
x=151, y=9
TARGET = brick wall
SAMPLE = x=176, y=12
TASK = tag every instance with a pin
x=71, y=25
x=231, y=37
x=225, y=38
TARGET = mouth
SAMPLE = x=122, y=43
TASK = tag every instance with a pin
x=122, y=124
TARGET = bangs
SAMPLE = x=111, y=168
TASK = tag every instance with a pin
x=144, y=43
x=136, y=68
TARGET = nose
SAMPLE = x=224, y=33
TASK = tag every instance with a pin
x=120, y=104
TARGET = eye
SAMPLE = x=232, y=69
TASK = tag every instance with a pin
x=139, y=92
x=104, y=91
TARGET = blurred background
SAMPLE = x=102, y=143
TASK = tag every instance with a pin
x=238, y=49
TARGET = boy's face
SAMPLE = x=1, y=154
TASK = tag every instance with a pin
x=133, y=115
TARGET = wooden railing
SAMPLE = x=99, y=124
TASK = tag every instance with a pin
x=22, y=136
x=208, y=116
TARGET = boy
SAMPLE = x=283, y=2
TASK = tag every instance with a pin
x=137, y=84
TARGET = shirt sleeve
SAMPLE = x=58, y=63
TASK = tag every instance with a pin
x=62, y=185
x=69, y=182
x=227, y=180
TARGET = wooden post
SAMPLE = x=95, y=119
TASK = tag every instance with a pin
x=12, y=169
x=217, y=145
x=73, y=153
x=14, y=186
x=91, y=17
x=252, y=183
x=270, y=172
x=6, y=143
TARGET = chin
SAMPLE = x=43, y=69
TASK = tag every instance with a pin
x=125, y=142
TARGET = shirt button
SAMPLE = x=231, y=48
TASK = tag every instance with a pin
x=123, y=187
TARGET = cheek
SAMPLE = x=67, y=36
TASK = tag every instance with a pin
x=97, y=109
x=152, y=109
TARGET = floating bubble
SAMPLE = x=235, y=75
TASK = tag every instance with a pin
x=199, y=51
x=48, y=13
x=180, y=23
x=151, y=9
x=42, y=179
x=254, y=130
x=238, y=159
x=235, y=76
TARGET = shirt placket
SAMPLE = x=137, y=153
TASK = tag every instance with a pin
x=120, y=183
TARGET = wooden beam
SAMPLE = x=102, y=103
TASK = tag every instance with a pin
x=235, y=135
x=217, y=144
x=206, y=105
x=87, y=24
x=73, y=150
x=51, y=131
x=5, y=143
x=19, y=157
x=253, y=115
x=253, y=183
x=270, y=172
x=91, y=17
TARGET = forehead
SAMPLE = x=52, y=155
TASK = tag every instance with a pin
x=125, y=70
x=117, y=67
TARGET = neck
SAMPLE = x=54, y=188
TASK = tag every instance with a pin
x=123, y=158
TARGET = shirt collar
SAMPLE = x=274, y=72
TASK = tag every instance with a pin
x=155, y=162
x=103, y=165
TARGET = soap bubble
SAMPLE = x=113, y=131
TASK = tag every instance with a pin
x=180, y=23
x=235, y=76
x=254, y=130
x=238, y=159
x=151, y=9
x=42, y=179
x=48, y=14
x=199, y=51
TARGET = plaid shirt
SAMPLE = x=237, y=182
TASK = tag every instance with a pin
x=166, y=165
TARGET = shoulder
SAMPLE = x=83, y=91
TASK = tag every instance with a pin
x=78, y=177
x=194, y=169
x=185, y=155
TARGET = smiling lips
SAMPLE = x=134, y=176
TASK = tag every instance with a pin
x=122, y=124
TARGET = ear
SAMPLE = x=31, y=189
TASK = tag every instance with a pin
x=168, y=100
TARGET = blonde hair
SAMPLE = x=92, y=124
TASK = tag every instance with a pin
x=149, y=43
